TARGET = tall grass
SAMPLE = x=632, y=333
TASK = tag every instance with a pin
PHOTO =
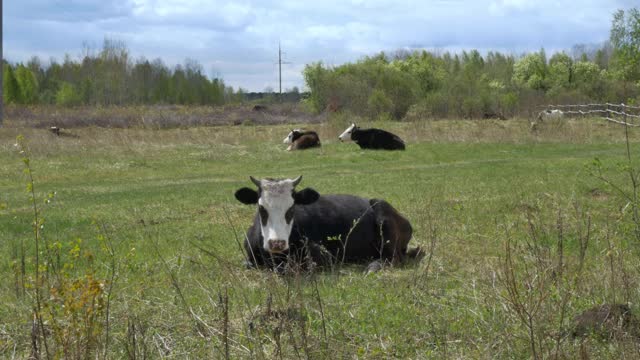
x=139, y=256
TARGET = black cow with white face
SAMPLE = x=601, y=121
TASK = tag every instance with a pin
x=372, y=138
x=294, y=226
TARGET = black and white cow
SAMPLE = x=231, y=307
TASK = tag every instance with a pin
x=372, y=138
x=294, y=226
x=299, y=139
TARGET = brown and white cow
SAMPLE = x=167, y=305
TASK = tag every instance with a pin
x=299, y=139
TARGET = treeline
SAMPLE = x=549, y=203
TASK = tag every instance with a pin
x=111, y=77
x=469, y=85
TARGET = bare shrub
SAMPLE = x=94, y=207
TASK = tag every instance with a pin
x=538, y=278
x=155, y=117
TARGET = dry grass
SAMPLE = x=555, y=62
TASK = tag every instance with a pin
x=520, y=239
x=154, y=117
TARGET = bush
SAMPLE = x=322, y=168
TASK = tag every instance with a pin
x=67, y=95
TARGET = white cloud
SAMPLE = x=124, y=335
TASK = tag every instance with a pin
x=239, y=39
x=503, y=7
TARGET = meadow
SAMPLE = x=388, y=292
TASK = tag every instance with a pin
x=138, y=233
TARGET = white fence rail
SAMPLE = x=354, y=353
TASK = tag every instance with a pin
x=616, y=113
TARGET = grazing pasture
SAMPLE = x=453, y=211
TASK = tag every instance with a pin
x=141, y=227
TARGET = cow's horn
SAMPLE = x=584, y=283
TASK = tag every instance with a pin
x=254, y=180
x=296, y=181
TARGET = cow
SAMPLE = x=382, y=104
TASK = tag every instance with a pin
x=302, y=227
x=299, y=139
x=372, y=138
x=545, y=115
x=550, y=114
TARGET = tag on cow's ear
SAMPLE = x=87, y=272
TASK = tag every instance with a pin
x=247, y=196
x=306, y=196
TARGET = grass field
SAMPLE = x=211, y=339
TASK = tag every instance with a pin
x=141, y=227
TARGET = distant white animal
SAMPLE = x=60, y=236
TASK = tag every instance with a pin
x=550, y=114
x=545, y=115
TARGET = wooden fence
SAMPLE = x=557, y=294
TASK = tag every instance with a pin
x=618, y=113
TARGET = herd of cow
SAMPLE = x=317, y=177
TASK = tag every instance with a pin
x=302, y=229
x=299, y=139
x=294, y=227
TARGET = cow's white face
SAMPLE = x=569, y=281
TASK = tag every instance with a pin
x=275, y=206
x=289, y=138
x=276, y=201
x=346, y=135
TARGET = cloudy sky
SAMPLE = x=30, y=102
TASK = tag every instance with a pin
x=238, y=40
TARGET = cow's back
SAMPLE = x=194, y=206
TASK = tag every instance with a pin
x=379, y=139
x=347, y=227
x=306, y=141
x=338, y=222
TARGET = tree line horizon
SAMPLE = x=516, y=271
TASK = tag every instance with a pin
x=418, y=83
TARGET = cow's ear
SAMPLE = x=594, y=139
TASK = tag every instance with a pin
x=247, y=196
x=305, y=196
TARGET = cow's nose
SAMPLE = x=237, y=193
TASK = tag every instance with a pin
x=277, y=245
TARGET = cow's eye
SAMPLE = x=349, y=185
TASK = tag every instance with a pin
x=264, y=215
x=288, y=216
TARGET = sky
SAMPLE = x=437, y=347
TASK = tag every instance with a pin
x=238, y=40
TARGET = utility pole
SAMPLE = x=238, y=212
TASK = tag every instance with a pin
x=280, y=62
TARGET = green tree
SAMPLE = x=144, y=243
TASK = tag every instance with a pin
x=379, y=104
x=10, y=87
x=587, y=78
x=426, y=70
x=217, y=92
x=317, y=79
x=160, y=75
x=560, y=71
x=625, y=38
x=67, y=95
x=531, y=71
x=28, y=85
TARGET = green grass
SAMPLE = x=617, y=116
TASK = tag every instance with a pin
x=157, y=196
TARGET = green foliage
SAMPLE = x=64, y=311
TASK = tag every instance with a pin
x=561, y=71
x=110, y=77
x=469, y=85
x=379, y=104
x=28, y=84
x=11, y=89
x=67, y=95
x=531, y=71
x=70, y=296
x=314, y=76
x=427, y=70
x=588, y=79
x=625, y=37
